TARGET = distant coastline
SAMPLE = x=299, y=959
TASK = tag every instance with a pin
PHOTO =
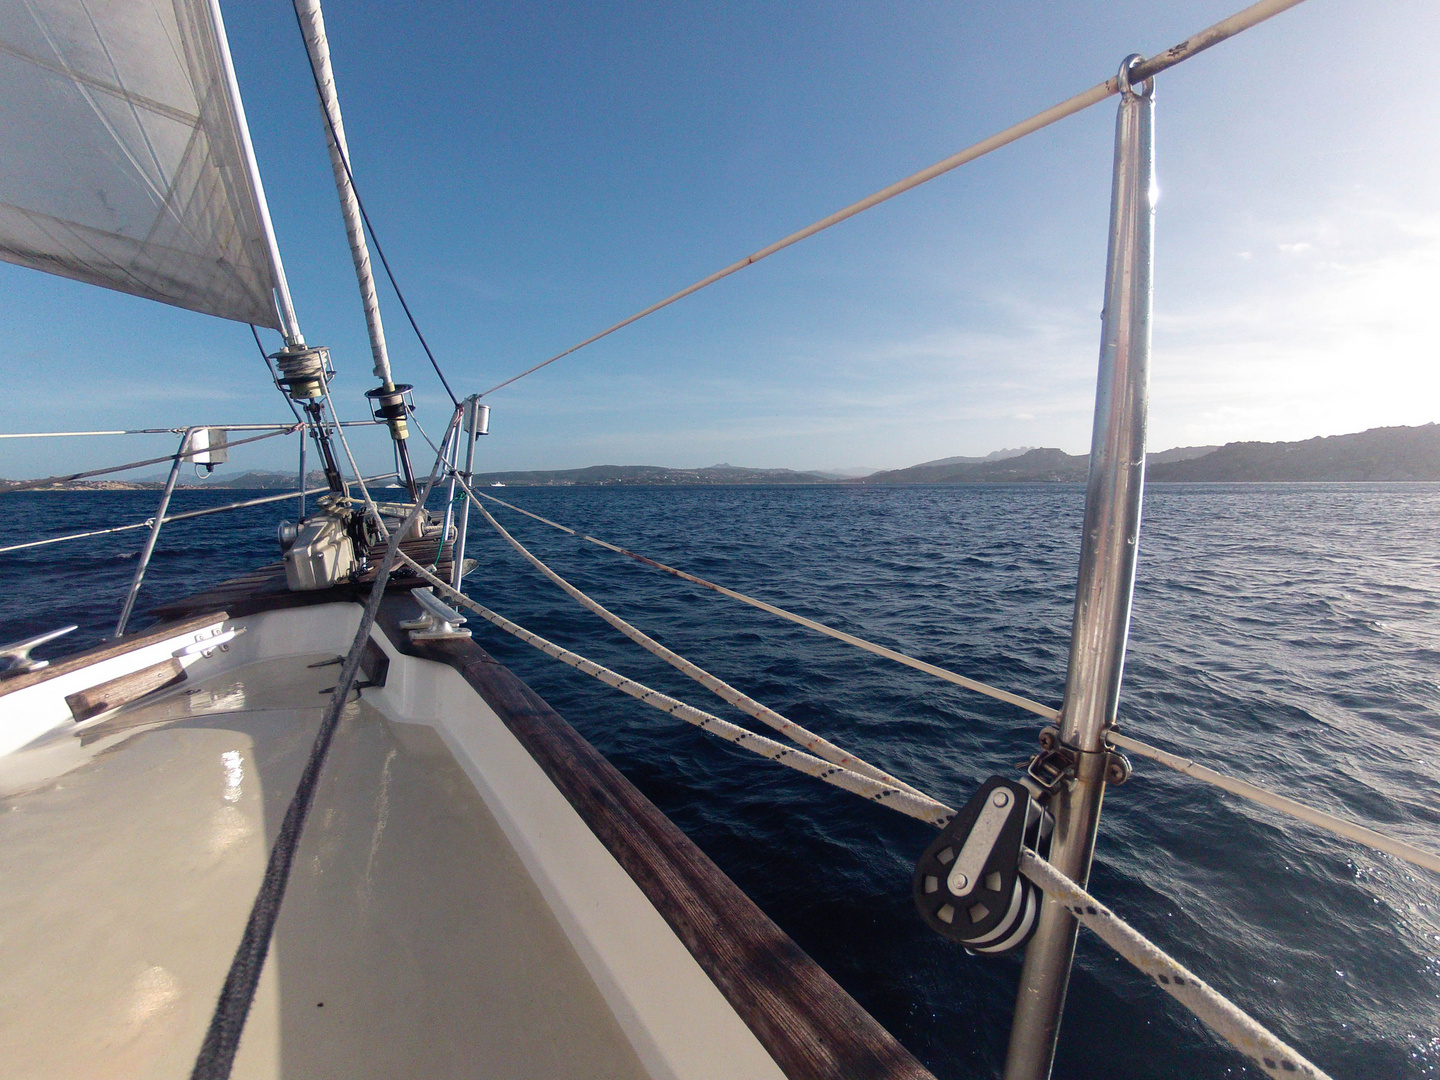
x=1389, y=454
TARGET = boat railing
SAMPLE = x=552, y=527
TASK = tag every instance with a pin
x=204, y=445
x=825, y=761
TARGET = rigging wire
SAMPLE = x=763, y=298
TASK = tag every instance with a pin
x=850, y=639
x=1274, y=1056
x=344, y=157
x=26, y=485
x=1291, y=807
x=1196, y=43
x=906, y=800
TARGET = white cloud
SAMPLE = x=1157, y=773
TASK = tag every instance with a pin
x=1286, y=351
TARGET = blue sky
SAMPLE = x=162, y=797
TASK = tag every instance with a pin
x=538, y=172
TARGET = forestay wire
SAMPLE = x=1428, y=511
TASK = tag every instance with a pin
x=1196, y=43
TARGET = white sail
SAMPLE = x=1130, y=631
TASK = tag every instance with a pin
x=124, y=157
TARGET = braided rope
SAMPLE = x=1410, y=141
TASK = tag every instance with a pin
x=920, y=807
x=1217, y=1012
x=810, y=624
x=1285, y=805
x=816, y=744
x=1211, y=1008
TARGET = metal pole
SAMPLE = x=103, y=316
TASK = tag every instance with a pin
x=473, y=427
x=154, y=533
x=312, y=23
x=1107, y=572
x=304, y=434
x=449, y=452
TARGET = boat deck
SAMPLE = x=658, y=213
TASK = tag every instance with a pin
x=412, y=941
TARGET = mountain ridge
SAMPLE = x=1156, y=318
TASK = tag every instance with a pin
x=1392, y=454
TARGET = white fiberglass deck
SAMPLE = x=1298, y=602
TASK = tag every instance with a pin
x=412, y=941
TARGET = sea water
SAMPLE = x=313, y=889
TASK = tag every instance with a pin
x=1286, y=634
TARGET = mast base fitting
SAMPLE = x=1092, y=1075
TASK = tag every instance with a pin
x=392, y=406
x=968, y=886
x=304, y=371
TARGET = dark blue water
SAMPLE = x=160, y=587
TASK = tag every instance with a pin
x=1289, y=634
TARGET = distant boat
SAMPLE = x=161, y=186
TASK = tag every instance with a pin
x=497, y=483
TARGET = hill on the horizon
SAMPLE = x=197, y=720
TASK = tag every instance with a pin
x=1395, y=454
x=1380, y=454
x=1388, y=453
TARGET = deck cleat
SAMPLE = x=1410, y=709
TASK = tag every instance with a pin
x=438, y=621
x=15, y=658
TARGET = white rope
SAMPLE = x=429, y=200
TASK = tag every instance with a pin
x=914, y=805
x=794, y=732
x=850, y=639
x=1213, y=35
x=1337, y=825
x=1319, y=818
x=1215, y=1011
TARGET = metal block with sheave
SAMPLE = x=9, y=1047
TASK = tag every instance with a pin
x=968, y=885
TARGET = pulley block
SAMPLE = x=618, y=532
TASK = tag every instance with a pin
x=968, y=886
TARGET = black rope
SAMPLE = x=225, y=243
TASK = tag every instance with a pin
x=365, y=217
x=227, y=1023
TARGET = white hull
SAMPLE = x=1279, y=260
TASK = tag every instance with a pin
x=450, y=911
